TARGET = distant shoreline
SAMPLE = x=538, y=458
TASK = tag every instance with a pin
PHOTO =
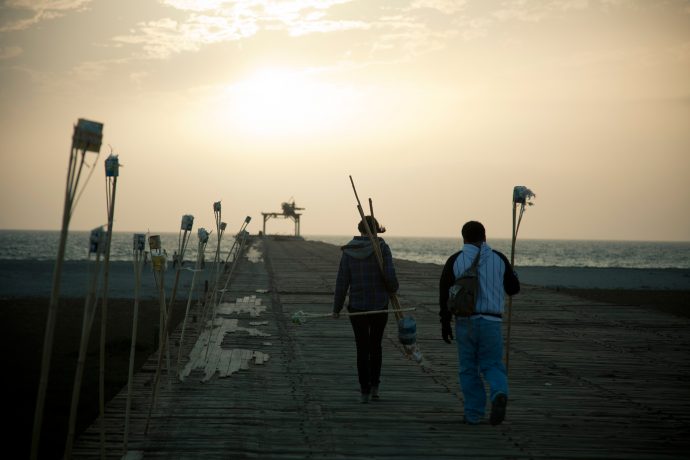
x=315, y=237
x=29, y=278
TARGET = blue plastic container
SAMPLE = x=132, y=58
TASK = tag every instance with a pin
x=407, y=331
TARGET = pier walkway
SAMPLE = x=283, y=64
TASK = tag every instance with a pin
x=587, y=380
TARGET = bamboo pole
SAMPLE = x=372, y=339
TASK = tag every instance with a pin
x=241, y=237
x=234, y=243
x=510, y=298
x=138, y=262
x=158, y=267
x=522, y=196
x=377, y=251
x=90, y=305
x=52, y=312
x=220, y=228
x=300, y=317
x=203, y=240
x=110, y=196
x=183, y=240
x=87, y=137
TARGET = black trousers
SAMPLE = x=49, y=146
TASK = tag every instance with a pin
x=368, y=331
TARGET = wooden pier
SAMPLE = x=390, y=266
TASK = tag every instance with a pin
x=586, y=380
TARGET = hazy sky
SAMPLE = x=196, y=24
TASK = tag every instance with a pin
x=436, y=107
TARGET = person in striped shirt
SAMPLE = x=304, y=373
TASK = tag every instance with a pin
x=479, y=338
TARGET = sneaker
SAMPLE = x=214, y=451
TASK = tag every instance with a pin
x=375, y=394
x=498, y=409
x=364, y=398
x=467, y=422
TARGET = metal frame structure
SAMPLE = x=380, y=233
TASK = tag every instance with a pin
x=289, y=212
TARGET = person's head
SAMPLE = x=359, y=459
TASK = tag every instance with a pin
x=473, y=232
x=373, y=226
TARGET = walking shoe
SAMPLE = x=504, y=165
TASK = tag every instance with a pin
x=364, y=398
x=375, y=393
x=467, y=422
x=498, y=409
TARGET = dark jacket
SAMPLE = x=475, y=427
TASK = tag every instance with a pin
x=360, y=274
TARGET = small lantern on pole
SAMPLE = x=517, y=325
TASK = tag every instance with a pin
x=522, y=196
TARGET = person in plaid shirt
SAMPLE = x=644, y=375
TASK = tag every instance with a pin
x=360, y=273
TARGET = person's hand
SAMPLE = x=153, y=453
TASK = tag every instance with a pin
x=336, y=315
x=446, y=331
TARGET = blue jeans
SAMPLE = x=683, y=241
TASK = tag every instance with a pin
x=480, y=353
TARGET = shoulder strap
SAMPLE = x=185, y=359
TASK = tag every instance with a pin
x=476, y=259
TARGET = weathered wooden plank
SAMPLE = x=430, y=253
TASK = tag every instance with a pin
x=588, y=380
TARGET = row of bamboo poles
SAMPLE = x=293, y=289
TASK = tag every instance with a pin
x=87, y=137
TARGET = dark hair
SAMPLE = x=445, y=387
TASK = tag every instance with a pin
x=373, y=225
x=473, y=232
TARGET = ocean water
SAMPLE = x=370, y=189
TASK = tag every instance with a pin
x=545, y=253
x=42, y=245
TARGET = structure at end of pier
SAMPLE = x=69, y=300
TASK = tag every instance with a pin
x=289, y=212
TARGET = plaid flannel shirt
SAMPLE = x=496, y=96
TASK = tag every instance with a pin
x=362, y=277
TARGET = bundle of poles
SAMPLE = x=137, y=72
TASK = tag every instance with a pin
x=87, y=137
x=407, y=328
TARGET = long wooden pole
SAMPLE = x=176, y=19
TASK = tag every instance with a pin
x=377, y=251
x=182, y=247
x=359, y=313
x=104, y=310
x=216, y=283
x=510, y=298
x=160, y=281
x=239, y=239
x=138, y=268
x=49, y=337
x=197, y=268
x=90, y=305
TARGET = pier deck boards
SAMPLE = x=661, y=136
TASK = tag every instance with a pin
x=586, y=380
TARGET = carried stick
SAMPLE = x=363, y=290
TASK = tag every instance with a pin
x=300, y=317
x=377, y=249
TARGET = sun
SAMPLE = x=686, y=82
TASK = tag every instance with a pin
x=279, y=102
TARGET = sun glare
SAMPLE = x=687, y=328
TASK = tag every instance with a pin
x=283, y=103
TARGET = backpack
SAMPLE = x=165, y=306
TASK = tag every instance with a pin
x=463, y=294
